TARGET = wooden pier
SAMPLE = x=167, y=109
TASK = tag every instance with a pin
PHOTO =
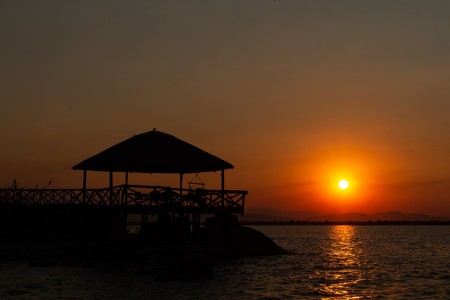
x=150, y=152
x=132, y=199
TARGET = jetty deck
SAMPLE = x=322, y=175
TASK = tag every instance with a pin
x=106, y=210
x=133, y=199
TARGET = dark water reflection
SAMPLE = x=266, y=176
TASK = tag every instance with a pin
x=327, y=262
x=361, y=262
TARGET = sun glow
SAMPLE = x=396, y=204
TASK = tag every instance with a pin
x=343, y=184
x=338, y=183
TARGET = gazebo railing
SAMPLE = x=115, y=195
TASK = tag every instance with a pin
x=56, y=196
x=130, y=196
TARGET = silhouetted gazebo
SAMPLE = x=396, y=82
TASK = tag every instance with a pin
x=175, y=209
x=153, y=152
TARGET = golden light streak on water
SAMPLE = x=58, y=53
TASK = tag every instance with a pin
x=343, y=265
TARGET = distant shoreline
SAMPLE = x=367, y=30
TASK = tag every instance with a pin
x=372, y=223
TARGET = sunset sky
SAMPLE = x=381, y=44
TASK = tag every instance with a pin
x=295, y=94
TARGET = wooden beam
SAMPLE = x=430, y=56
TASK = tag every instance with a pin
x=84, y=185
x=181, y=184
x=111, y=192
x=125, y=192
x=223, y=187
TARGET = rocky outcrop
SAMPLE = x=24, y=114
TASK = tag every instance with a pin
x=192, y=266
x=225, y=237
x=170, y=257
x=250, y=242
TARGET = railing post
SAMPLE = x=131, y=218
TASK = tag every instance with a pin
x=223, y=187
x=111, y=192
x=243, y=204
x=181, y=187
x=84, y=186
x=125, y=191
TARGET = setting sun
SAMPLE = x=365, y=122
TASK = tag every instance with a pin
x=343, y=184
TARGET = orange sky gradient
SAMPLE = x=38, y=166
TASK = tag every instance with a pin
x=295, y=94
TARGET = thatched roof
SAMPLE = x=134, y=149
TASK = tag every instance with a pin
x=153, y=152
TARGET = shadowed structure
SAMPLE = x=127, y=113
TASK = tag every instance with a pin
x=150, y=152
x=154, y=152
x=100, y=213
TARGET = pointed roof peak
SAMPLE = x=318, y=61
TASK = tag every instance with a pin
x=154, y=152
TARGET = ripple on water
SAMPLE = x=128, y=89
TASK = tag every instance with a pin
x=330, y=262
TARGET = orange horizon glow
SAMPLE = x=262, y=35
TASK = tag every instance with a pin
x=379, y=181
x=294, y=110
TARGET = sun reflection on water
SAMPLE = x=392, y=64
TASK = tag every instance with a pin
x=343, y=267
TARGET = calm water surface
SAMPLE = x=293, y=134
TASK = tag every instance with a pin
x=326, y=262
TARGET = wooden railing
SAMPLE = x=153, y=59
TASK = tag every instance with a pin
x=162, y=198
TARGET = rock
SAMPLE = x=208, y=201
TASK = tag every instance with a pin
x=250, y=242
x=44, y=262
x=193, y=266
x=226, y=238
x=69, y=261
x=146, y=271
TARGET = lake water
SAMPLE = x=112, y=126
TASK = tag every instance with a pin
x=326, y=262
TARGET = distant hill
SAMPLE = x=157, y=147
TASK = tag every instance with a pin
x=269, y=214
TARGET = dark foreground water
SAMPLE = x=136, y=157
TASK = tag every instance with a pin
x=327, y=262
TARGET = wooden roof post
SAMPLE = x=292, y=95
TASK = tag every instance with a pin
x=84, y=185
x=223, y=187
x=125, y=191
x=181, y=186
x=111, y=192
